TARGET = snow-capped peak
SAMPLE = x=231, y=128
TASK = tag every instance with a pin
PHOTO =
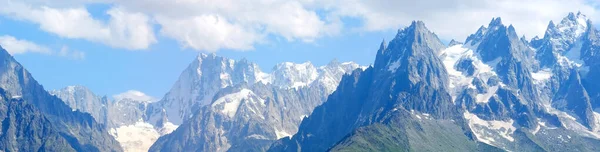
x=573, y=25
x=474, y=39
x=292, y=75
x=209, y=73
x=570, y=28
x=564, y=38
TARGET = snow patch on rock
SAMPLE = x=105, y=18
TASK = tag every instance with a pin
x=490, y=132
x=135, y=138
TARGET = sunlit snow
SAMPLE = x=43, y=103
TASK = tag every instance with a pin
x=488, y=131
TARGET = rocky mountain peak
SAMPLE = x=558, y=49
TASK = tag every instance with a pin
x=497, y=21
x=454, y=42
x=568, y=30
x=401, y=47
x=382, y=47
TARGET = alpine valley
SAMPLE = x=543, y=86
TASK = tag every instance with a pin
x=495, y=91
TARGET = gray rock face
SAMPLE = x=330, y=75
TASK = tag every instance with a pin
x=250, y=115
x=83, y=99
x=24, y=128
x=407, y=76
x=110, y=113
x=505, y=93
x=124, y=116
x=80, y=130
x=208, y=74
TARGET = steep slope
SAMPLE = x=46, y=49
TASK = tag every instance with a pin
x=208, y=74
x=83, y=99
x=250, y=115
x=24, y=128
x=571, y=46
x=407, y=77
x=81, y=130
x=124, y=116
x=494, y=92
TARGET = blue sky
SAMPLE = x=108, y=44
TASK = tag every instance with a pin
x=150, y=56
x=108, y=71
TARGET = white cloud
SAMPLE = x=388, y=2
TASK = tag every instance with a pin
x=16, y=46
x=72, y=54
x=123, y=30
x=201, y=25
x=208, y=33
x=458, y=18
x=240, y=25
x=135, y=96
x=230, y=24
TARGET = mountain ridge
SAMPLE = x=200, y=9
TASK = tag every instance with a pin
x=501, y=97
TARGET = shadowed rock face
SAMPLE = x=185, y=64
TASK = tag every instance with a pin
x=495, y=92
x=226, y=105
x=407, y=76
x=83, y=99
x=24, y=128
x=80, y=130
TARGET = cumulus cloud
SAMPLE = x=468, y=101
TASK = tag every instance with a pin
x=200, y=25
x=209, y=33
x=240, y=25
x=134, y=95
x=123, y=30
x=17, y=46
x=458, y=18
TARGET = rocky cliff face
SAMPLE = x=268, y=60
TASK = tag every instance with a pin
x=229, y=101
x=80, y=131
x=250, y=114
x=82, y=99
x=494, y=92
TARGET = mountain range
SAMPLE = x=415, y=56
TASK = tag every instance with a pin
x=495, y=91
x=226, y=95
x=34, y=120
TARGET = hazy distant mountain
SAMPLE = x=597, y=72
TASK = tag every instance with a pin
x=123, y=116
x=236, y=91
x=83, y=99
x=238, y=107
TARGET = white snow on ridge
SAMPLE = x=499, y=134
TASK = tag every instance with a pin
x=167, y=128
x=458, y=81
x=484, y=98
x=291, y=75
x=490, y=131
x=394, y=66
x=256, y=136
x=208, y=74
x=575, y=27
x=135, y=138
x=263, y=78
x=542, y=75
x=569, y=122
x=230, y=103
x=281, y=133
